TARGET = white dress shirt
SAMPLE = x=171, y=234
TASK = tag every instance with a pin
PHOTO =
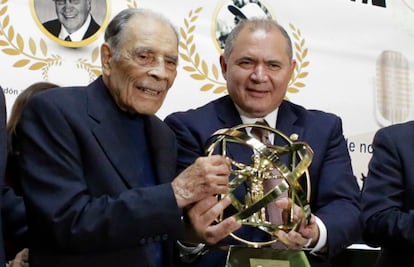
x=76, y=36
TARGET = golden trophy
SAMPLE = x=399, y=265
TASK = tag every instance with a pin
x=288, y=163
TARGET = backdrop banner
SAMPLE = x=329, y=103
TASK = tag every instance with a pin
x=354, y=56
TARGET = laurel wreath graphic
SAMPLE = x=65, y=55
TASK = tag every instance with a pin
x=13, y=44
x=198, y=67
x=132, y=4
x=200, y=70
x=33, y=55
x=93, y=70
x=295, y=85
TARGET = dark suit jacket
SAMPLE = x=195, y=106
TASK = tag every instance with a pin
x=14, y=222
x=3, y=161
x=14, y=211
x=388, y=195
x=54, y=26
x=334, y=188
x=82, y=184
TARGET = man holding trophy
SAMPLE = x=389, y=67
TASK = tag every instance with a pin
x=258, y=64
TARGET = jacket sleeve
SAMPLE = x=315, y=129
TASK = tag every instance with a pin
x=387, y=198
x=76, y=199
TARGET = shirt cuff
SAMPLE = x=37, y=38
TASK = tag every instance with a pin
x=189, y=254
x=323, y=236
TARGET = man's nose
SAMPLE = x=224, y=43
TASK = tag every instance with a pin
x=259, y=74
x=158, y=69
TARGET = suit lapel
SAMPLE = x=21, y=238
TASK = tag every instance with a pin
x=110, y=132
x=287, y=121
x=92, y=28
x=288, y=124
x=163, y=148
x=227, y=112
x=229, y=116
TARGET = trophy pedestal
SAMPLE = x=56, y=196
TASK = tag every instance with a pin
x=265, y=257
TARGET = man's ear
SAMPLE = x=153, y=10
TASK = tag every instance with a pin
x=106, y=56
x=223, y=65
x=292, y=67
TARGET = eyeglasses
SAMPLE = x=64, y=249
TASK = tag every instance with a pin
x=151, y=59
x=62, y=2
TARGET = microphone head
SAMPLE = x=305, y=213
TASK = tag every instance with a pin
x=392, y=88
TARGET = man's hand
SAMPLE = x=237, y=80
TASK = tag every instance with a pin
x=204, y=213
x=305, y=235
x=206, y=177
x=21, y=259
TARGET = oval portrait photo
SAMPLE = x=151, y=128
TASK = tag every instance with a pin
x=71, y=23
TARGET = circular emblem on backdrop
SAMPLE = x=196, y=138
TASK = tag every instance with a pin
x=227, y=14
x=71, y=23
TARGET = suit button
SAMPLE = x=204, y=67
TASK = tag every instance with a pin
x=164, y=237
x=142, y=241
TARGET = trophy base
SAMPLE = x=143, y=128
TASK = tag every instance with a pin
x=265, y=257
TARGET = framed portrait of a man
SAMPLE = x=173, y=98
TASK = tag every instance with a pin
x=72, y=23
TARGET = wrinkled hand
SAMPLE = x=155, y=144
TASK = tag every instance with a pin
x=305, y=235
x=204, y=213
x=21, y=259
x=207, y=176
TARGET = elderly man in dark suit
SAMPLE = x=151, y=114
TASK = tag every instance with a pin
x=98, y=167
x=388, y=196
x=74, y=23
x=257, y=64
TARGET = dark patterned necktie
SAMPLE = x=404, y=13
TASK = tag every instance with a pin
x=68, y=38
x=274, y=213
x=261, y=134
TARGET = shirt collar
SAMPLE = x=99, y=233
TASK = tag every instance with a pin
x=76, y=36
x=269, y=118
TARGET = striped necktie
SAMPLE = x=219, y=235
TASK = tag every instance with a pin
x=274, y=214
x=260, y=133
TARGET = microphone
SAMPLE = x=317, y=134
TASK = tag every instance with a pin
x=393, y=96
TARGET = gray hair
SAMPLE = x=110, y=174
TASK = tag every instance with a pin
x=116, y=28
x=255, y=24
